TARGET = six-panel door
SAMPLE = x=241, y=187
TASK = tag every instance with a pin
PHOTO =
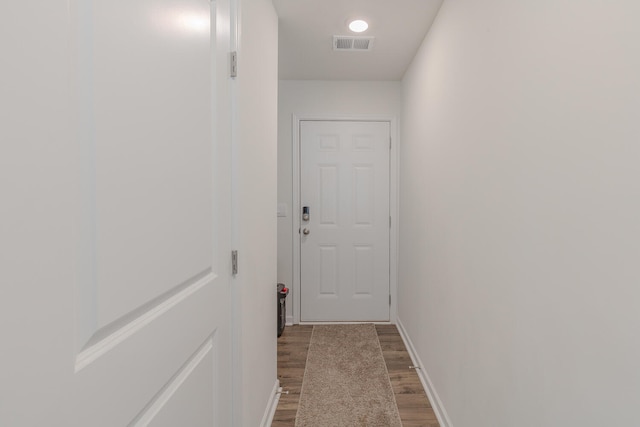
x=344, y=181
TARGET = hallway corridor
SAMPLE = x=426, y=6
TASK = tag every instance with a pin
x=412, y=402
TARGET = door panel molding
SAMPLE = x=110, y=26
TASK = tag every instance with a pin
x=296, y=119
x=203, y=355
x=108, y=337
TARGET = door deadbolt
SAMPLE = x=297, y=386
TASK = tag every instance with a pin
x=305, y=213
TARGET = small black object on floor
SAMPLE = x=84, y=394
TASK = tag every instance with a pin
x=282, y=307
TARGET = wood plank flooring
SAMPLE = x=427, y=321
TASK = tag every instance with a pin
x=413, y=404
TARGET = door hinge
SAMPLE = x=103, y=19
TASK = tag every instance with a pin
x=389, y=143
x=233, y=62
x=234, y=262
x=389, y=221
x=389, y=300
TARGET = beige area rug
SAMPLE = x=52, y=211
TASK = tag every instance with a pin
x=346, y=383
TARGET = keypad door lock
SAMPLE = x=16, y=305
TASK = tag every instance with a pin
x=305, y=213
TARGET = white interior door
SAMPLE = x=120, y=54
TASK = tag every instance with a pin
x=344, y=183
x=114, y=240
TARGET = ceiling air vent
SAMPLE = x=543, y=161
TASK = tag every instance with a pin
x=353, y=43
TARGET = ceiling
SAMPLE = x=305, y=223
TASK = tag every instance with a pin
x=307, y=27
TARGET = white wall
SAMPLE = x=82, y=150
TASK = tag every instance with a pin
x=254, y=194
x=324, y=98
x=520, y=199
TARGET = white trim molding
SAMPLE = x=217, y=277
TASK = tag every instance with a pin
x=108, y=337
x=394, y=179
x=432, y=394
x=160, y=400
x=270, y=410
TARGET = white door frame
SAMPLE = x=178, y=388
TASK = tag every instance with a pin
x=393, y=204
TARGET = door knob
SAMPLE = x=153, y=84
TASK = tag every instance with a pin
x=306, y=231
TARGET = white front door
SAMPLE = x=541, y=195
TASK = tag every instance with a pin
x=114, y=276
x=344, y=185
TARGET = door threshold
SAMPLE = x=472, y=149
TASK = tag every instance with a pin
x=339, y=322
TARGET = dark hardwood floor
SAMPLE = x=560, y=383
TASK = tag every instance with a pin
x=292, y=357
x=413, y=404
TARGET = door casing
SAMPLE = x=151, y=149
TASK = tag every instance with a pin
x=393, y=205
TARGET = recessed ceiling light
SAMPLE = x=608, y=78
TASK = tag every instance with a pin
x=358, y=26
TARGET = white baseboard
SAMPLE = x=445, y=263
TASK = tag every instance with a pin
x=436, y=403
x=289, y=321
x=270, y=411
